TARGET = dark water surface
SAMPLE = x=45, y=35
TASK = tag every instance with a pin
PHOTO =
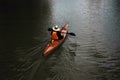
x=94, y=54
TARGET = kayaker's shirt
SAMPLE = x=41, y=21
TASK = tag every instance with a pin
x=54, y=35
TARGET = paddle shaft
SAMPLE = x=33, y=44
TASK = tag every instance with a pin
x=70, y=33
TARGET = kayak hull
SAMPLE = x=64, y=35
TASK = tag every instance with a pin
x=51, y=47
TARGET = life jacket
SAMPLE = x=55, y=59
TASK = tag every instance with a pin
x=54, y=35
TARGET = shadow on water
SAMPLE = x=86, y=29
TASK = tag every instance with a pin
x=22, y=25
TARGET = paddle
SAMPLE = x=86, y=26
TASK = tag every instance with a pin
x=70, y=33
x=50, y=29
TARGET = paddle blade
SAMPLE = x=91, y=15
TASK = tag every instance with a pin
x=49, y=29
x=71, y=33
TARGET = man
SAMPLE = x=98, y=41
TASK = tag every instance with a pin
x=56, y=34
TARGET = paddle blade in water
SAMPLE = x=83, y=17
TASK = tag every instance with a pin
x=73, y=34
x=49, y=29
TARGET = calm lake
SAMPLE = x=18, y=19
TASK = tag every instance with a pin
x=93, y=54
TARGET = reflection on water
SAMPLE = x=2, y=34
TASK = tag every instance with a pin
x=92, y=55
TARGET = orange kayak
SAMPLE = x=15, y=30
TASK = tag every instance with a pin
x=51, y=47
